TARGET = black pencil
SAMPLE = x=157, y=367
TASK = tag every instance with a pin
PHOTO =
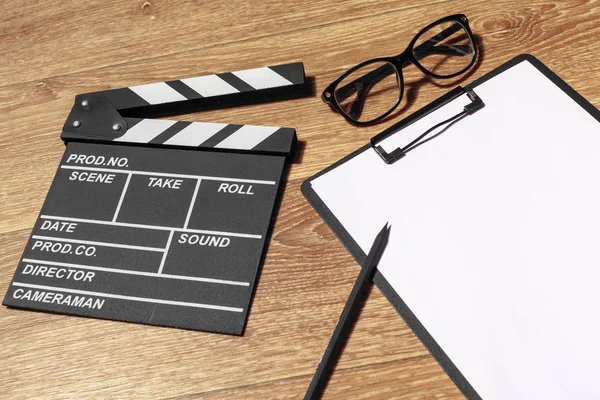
x=336, y=343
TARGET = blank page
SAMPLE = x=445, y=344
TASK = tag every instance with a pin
x=494, y=240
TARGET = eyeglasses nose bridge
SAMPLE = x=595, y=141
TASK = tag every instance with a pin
x=401, y=61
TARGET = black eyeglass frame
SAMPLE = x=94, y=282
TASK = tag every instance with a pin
x=399, y=61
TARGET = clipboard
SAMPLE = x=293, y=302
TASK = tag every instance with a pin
x=467, y=381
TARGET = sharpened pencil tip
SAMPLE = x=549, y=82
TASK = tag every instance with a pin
x=383, y=235
x=387, y=227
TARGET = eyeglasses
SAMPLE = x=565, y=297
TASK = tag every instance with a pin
x=370, y=91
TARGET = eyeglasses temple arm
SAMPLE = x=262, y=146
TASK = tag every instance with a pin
x=358, y=104
x=425, y=47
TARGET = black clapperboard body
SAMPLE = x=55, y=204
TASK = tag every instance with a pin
x=155, y=221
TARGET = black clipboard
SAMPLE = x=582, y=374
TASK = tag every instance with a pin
x=405, y=312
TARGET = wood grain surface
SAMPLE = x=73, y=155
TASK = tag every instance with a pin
x=53, y=50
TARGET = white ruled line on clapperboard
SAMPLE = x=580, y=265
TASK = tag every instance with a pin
x=105, y=244
x=142, y=273
x=155, y=227
x=133, y=298
x=149, y=173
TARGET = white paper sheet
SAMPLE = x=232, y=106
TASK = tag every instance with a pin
x=494, y=240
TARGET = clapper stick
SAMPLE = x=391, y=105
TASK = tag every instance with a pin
x=124, y=114
x=156, y=221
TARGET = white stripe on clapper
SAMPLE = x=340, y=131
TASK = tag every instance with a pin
x=210, y=85
x=262, y=78
x=145, y=130
x=247, y=137
x=157, y=93
x=195, y=134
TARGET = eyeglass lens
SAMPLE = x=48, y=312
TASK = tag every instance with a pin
x=446, y=49
x=369, y=91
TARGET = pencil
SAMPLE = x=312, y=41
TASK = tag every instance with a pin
x=340, y=334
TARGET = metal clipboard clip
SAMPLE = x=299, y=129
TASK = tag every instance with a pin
x=389, y=158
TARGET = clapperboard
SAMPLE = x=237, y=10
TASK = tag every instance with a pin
x=155, y=221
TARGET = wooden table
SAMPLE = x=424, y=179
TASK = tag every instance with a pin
x=52, y=50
